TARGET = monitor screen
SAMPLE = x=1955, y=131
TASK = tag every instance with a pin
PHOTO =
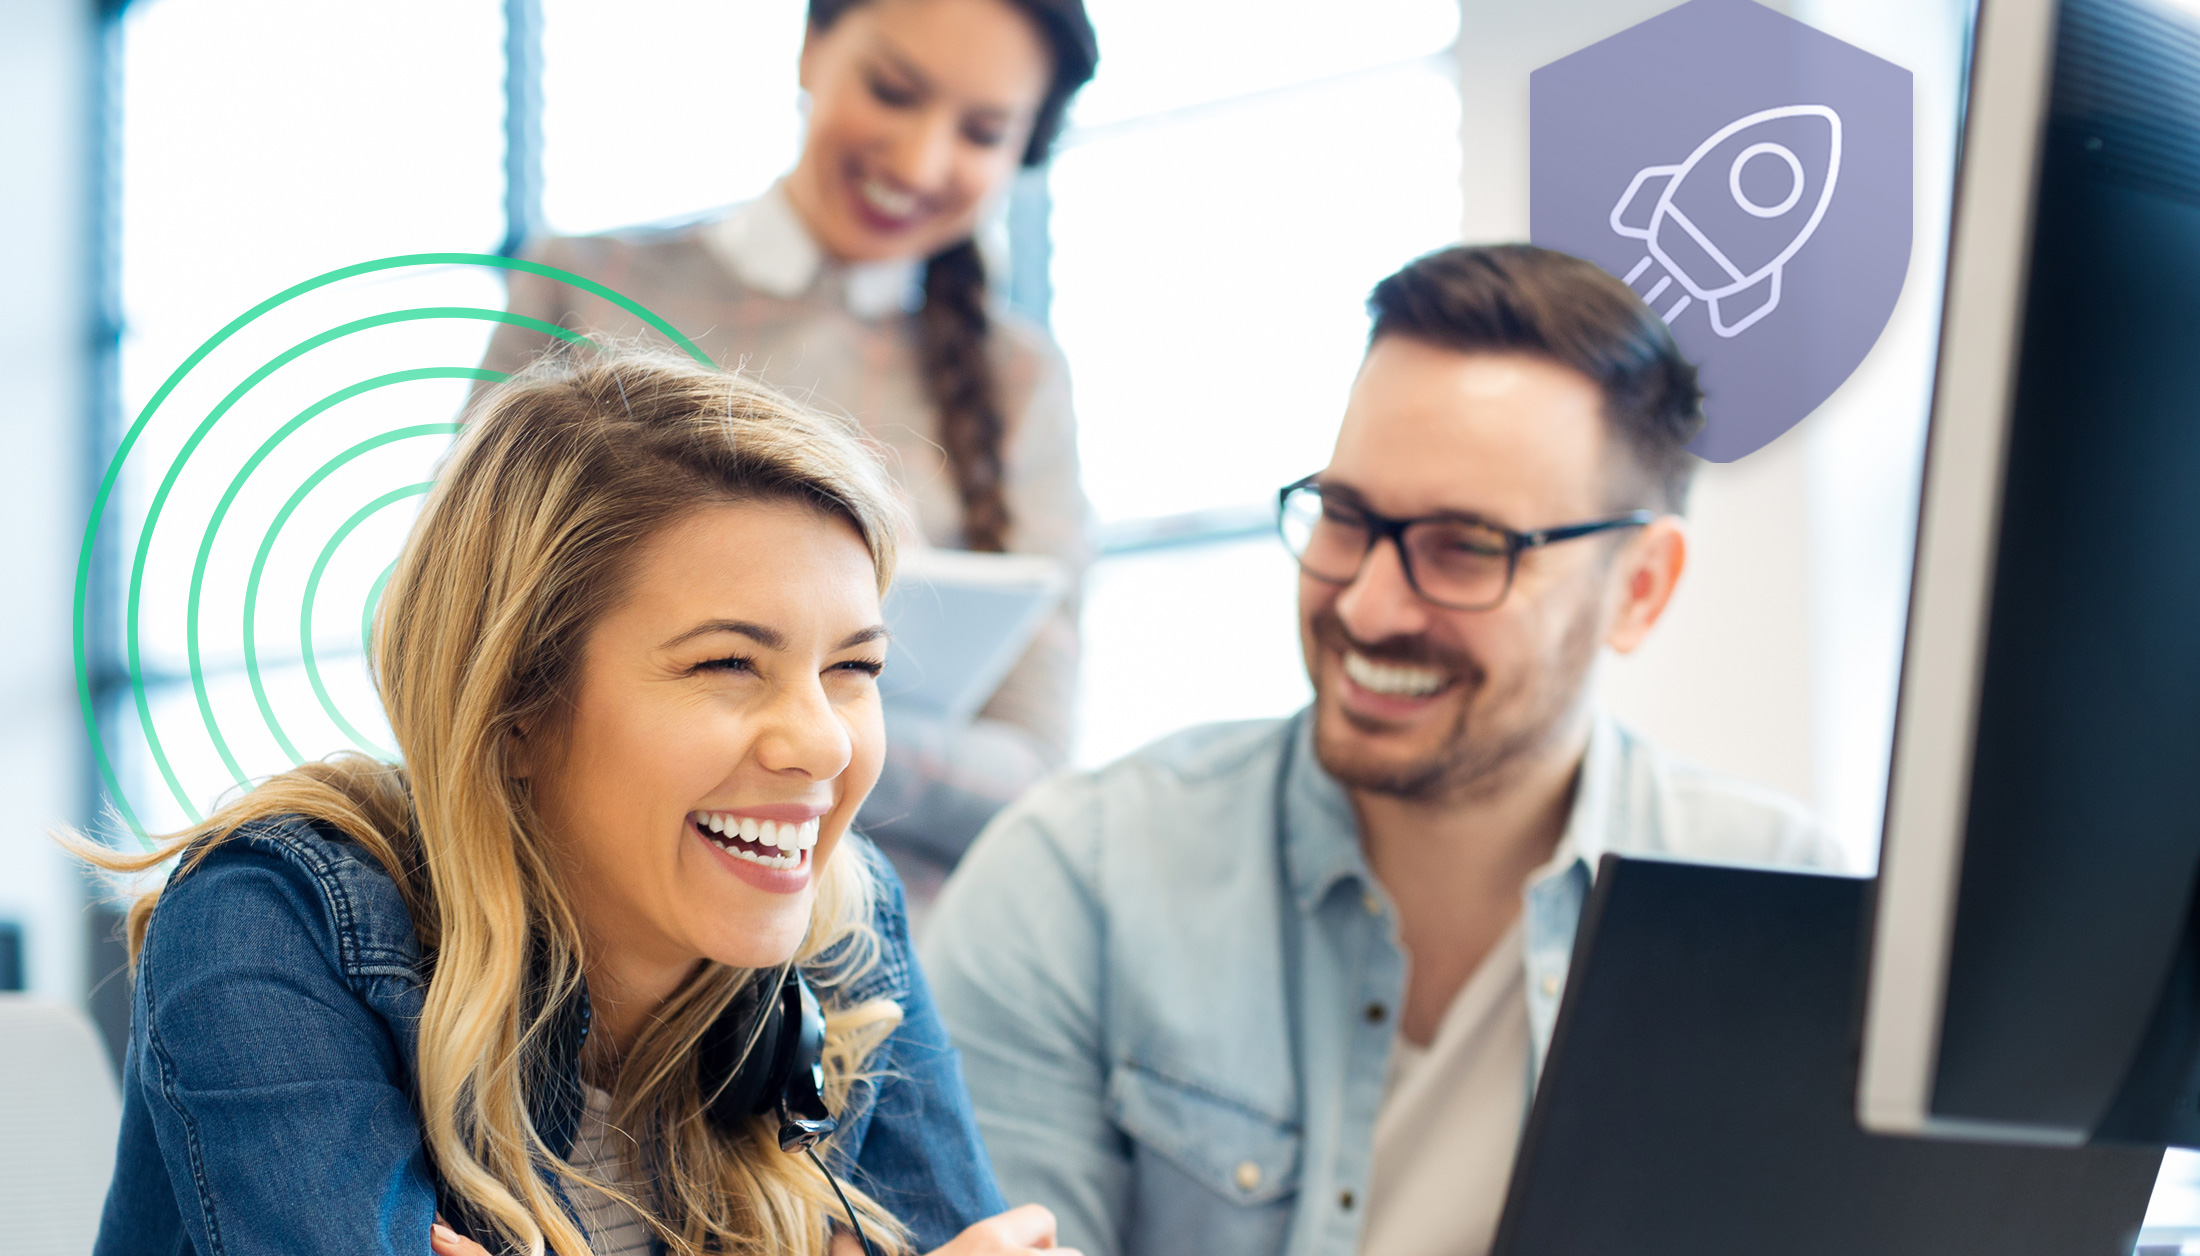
x=2031, y=977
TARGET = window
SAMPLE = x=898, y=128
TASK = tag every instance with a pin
x=1232, y=184
x=262, y=143
x=657, y=109
x=1227, y=193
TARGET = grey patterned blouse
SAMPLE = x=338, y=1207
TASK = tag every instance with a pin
x=753, y=290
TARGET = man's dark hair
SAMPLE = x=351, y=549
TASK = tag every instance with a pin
x=1517, y=298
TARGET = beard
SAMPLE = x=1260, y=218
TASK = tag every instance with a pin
x=1499, y=725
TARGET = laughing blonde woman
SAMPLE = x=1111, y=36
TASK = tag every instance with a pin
x=509, y=995
x=857, y=279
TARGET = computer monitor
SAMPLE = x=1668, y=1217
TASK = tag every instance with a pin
x=2033, y=973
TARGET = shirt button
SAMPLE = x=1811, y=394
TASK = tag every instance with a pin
x=1373, y=904
x=1550, y=986
x=1345, y=1201
x=1247, y=1175
x=1375, y=1013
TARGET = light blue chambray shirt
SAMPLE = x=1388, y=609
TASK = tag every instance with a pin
x=1172, y=979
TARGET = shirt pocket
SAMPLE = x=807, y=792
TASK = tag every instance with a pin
x=1211, y=1174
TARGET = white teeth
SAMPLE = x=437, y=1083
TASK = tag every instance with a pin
x=1392, y=678
x=790, y=840
x=781, y=862
x=887, y=200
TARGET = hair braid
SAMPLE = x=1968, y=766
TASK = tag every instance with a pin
x=952, y=331
x=952, y=328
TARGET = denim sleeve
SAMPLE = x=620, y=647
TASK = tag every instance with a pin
x=276, y=1094
x=920, y=1155
x=1014, y=948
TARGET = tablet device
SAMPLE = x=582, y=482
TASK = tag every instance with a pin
x=959, y=621
x=1700, y=1098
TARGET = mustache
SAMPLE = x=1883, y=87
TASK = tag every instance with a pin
x=1415, y=651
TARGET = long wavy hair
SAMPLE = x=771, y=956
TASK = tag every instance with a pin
x=558, y=476
x=954, y=332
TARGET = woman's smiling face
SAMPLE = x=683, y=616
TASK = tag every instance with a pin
x=919, y=114
x=725, y=727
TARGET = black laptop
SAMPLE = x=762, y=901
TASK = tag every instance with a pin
x=1699, y=1098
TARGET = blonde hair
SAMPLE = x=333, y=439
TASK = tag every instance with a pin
x=559, y=474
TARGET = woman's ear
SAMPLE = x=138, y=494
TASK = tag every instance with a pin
x=519, y=753
x=1647, y=572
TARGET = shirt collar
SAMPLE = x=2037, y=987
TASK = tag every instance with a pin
x=1321, y=833
x=1589, y=824
x=768, y=247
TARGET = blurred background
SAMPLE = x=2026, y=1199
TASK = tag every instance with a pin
x=1236, y=178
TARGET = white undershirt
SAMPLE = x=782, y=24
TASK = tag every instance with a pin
x=613, y=1228
x=1450, y=1120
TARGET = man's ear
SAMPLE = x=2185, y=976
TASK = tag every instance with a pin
x=802, y=75
x=1645, y=575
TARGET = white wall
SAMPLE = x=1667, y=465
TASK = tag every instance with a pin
x=1778, y=659
x=1866, y=445
x=44, y=65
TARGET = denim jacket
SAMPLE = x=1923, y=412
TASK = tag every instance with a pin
x=268, y=1090
x=1172, y=977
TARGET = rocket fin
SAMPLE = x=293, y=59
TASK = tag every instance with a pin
x=1736, y=312
x=1638, y=205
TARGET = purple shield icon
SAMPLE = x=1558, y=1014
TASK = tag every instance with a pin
x=1749, y=176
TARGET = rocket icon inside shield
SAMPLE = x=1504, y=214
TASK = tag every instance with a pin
x=1763, y=206
x=1721, y=226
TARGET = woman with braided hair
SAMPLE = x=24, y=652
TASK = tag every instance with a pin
x=857, y=283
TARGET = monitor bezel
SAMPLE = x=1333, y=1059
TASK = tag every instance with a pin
x=1921, y=860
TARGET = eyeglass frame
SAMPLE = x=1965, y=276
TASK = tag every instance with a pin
x=1382, y=527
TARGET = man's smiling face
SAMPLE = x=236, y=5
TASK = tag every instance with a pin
x=1415, y=700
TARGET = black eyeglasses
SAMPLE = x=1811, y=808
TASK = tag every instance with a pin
x=1455, y=562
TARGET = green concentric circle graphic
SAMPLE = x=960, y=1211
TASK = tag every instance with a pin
x=255, y=479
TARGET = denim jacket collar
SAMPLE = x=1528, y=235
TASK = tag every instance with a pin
x=1321, y=832
x=1321, y=840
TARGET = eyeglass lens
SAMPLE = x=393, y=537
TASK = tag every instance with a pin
x=1452, y=561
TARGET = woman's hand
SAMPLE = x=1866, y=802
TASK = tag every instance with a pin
x=448, y=1242
x=1026, y=1229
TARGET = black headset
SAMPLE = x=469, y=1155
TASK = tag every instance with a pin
x=771, y=1053
x=770, y=1049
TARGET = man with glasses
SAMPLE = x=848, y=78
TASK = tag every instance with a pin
x=1284, y=986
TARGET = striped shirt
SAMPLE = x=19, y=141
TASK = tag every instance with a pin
x=614, y=1229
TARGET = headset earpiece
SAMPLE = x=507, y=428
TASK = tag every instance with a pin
x=803, y=1116
x=777, y=1065
x=770, y=1053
